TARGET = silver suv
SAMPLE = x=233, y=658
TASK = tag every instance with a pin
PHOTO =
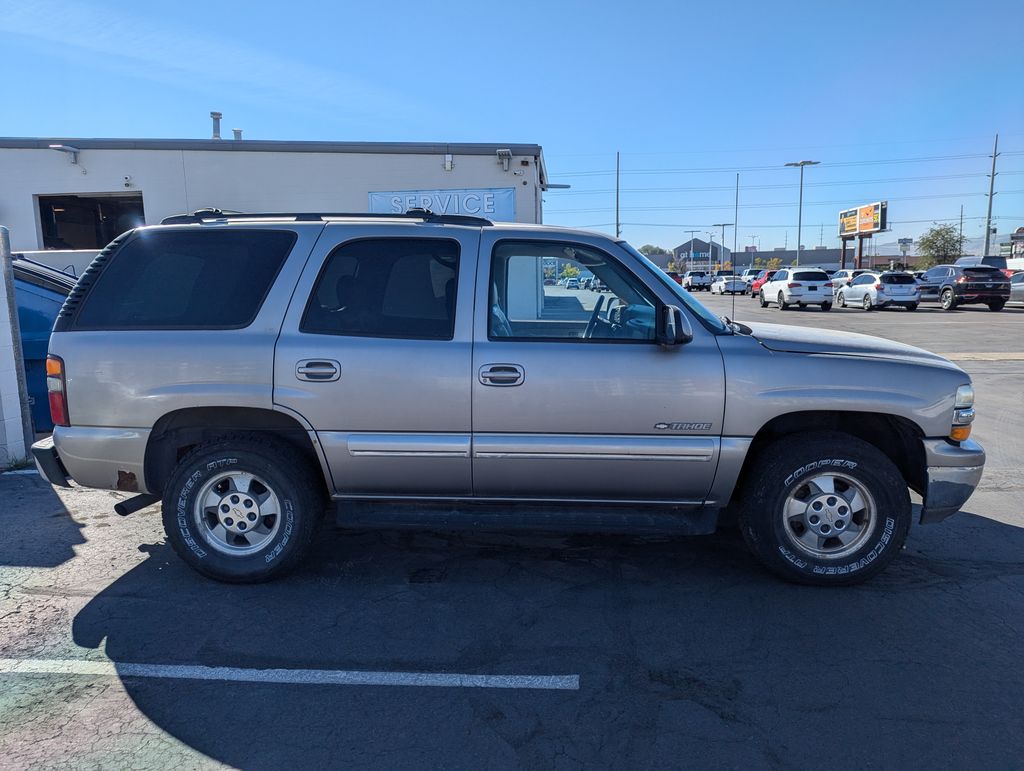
x=249, y=370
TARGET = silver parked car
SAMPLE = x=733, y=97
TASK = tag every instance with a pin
x=1017, y=288
x=246, y=371
x=881, y=290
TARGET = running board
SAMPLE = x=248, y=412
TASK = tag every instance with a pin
x=569, y=517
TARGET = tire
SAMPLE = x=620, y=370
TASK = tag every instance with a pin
x=783, y=305
x=761, y=298
x=911, y=306
x=947, y=300
x=997, y=306
x=784, y=473
x=826, y=306
x=841, y=300
x=866, y=303
x=295, y=507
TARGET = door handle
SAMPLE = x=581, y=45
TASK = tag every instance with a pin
x=318, y=370
x=502, y=375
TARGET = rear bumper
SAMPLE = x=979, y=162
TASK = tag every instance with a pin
x=981, y=296
x=954, y=472
x=105, y=458
x=48, y=463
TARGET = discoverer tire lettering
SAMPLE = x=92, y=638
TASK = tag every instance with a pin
x=784, y=468
x=298, y=490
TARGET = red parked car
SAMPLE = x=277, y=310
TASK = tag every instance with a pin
x=757, y=283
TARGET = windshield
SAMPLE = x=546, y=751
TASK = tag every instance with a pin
x=709, y=319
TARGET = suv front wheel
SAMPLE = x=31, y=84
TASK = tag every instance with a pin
x=824, y=508
x=242, y=510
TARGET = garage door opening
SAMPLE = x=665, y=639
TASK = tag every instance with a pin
x=88, y=222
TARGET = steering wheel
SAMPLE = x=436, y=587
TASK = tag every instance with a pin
x=592, y=324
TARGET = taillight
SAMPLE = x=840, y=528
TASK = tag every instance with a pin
x=1008, y=273
x=793, y=286
x=962, y=280
x=879, y=287
x=57, y=391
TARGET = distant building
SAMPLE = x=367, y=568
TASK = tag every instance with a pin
x=695, y=253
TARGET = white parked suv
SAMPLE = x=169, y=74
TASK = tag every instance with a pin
x=797, y=286
x=696, y=280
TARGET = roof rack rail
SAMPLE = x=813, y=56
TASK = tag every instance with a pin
x=207, y=215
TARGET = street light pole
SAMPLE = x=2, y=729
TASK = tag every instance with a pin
x=723, y=226
x=689, y=253
x=800, y=206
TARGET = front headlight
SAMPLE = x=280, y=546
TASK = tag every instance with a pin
x=963, y=414
x=964, y=397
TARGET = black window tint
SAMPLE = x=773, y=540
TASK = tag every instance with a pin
x=985, y=274
x=810, y=275
x=898, y=278
x=200, y=279
x=387, y=287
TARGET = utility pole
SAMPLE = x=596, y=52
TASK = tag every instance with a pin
x=618, y=228
x=736, y=217
x=960, y=243
x=991, y=193
x=800, y=206
x=821, y=235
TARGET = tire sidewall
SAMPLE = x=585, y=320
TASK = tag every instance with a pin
x=183, y=531
x=765, y=532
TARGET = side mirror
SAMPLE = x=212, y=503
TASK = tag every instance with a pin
x=673, y=327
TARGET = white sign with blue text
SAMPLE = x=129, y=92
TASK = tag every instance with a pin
x=498, y=203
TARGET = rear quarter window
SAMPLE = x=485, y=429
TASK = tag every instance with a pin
x=195, y=279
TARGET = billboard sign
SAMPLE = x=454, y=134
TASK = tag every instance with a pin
x=498, y=203
x=863, y=220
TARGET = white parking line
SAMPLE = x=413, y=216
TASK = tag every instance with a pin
x=288, y=676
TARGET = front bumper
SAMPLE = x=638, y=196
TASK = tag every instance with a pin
x=954, y=472
x=48, y=463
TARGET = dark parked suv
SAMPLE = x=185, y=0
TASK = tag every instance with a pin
x=953, y=285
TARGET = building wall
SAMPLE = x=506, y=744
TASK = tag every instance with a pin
x=173, y=181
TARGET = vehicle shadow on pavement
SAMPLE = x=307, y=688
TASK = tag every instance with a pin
x=38, y=530
x=688, y=653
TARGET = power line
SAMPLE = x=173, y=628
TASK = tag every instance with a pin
x=712, y=188
x=783, y=204
x=700, y=226
x=777, y=167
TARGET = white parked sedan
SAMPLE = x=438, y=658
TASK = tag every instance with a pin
x=728, y=285
x=879, y=290
x=797, y=286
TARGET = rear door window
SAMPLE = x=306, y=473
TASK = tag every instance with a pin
x=186, y=279
x=387, y=287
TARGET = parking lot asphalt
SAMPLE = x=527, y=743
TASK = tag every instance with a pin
x=657, y=651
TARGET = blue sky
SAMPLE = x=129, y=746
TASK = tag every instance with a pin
x=902, y=108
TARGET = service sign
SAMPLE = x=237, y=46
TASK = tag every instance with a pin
x=496, y=203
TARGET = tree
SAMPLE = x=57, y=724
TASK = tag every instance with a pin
x=773, y=264
x=649, y=250
x=940, y=243
x=570, y=271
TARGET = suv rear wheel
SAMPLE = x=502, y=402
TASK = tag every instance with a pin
x=242, y=509
x=824, y=508
x=948, y=300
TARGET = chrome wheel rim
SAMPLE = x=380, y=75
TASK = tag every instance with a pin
x=867, y=303
x=947, y=299
x=829, y=516
x=842, y=300
x=238, y=513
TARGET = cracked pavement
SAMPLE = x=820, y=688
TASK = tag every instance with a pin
x=689, y=654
